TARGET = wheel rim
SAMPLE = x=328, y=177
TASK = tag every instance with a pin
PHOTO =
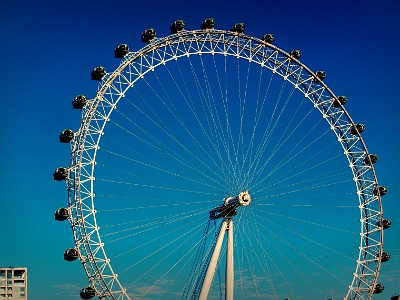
x=138, y=66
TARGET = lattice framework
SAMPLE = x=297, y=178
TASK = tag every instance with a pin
x=134, y=66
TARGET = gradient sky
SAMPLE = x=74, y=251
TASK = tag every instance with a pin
x=48, y=49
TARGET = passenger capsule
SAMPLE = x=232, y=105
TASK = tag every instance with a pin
x=79, y=102
x=66, y=136
x=71, y=254
x=319, y=75
x=384, y=257
x=238, y=27
x=98, y=73
x=60, y=174
x=380, y=190
x=61, y=214
x=87, y=293
x=341, y=100
x=269, y=38
x=379, y=288
x=357, y=128
x=385, y=224
x=148, y=35
x=370, y=159
x=295, y=54
x=121, y=50
x=207, y=24
x=178, y=25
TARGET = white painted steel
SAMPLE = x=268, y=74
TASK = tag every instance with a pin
x=98, y=111
x=230, y=269
x=213, y=263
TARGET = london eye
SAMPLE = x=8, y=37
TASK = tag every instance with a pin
x=212, y=164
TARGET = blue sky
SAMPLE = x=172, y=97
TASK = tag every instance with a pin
x=49, y=48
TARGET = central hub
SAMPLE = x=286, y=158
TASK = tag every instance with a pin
x=228, y=209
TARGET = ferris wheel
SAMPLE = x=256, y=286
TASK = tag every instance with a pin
x=212, y=164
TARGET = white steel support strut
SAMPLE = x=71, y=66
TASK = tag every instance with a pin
x=229, y=275
x=227, y=210
x=213, y=263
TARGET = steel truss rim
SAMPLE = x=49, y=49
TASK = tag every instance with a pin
x=82, y=165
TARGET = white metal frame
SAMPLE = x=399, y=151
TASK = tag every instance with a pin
x=134, y=66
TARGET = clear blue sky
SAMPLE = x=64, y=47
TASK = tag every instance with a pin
x=48, y=49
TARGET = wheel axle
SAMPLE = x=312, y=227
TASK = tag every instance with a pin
x=228, y=208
